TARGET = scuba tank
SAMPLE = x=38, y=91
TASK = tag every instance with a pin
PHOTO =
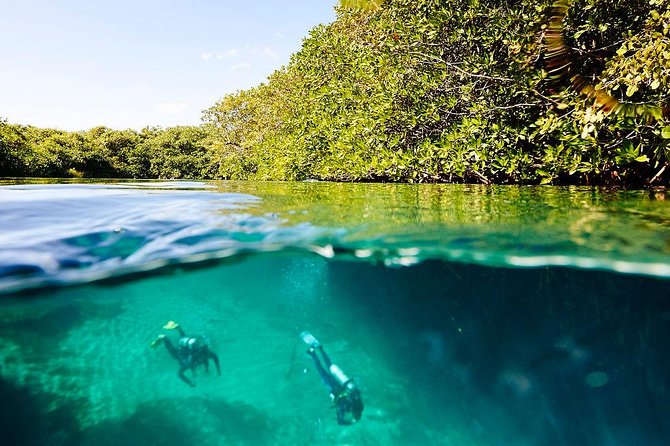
x=338, y=374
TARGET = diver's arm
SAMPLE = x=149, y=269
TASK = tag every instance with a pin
x=341, y=415
x=216, y=361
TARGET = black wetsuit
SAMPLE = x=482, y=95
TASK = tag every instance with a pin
x=346, y=396
x=191, y=352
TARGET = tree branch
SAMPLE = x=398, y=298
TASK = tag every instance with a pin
x=460, y=70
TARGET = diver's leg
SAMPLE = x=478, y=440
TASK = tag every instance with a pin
x=323, y=373
x=171, y=348
x=326, y=359
x=182, y=375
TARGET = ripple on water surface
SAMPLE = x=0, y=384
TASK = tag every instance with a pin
x=73, y=232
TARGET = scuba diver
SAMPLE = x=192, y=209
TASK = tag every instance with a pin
x=191, y=351
x=344, y=392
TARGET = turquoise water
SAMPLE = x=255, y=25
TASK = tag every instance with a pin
x=468, y=315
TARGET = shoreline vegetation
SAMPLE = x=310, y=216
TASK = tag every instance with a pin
x=462, y=91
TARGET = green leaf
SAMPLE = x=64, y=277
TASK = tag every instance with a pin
x=631, y=90
x=627, y=146
x=642, y=159
x=656, y=112
x=665, y=132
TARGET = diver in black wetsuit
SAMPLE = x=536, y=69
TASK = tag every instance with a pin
x=191, y=351
x=344, y=392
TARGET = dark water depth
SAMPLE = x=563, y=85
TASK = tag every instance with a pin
x=467, y=315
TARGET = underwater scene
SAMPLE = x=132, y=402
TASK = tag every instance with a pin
x=233, y=313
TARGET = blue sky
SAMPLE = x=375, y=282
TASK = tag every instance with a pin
x=76, y=64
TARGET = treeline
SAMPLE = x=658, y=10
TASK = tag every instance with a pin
x=176, y=152
x=420, y=91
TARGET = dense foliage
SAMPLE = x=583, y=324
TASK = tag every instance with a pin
x=419, y=91
x=177, y=152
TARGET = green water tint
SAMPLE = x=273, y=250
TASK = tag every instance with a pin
x=401, y=224
x=625, y=231
x=416, y=291
x=445, y=353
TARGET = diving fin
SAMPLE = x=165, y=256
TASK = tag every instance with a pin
x=309, y=339
x=156, y=342
x=171, y=325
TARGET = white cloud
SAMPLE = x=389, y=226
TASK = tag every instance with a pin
x=169, y=107
x=233, y=52
x=206, y=56
x=240, y=66
x=258, y=51
x=264, y=51
x=279, y=35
